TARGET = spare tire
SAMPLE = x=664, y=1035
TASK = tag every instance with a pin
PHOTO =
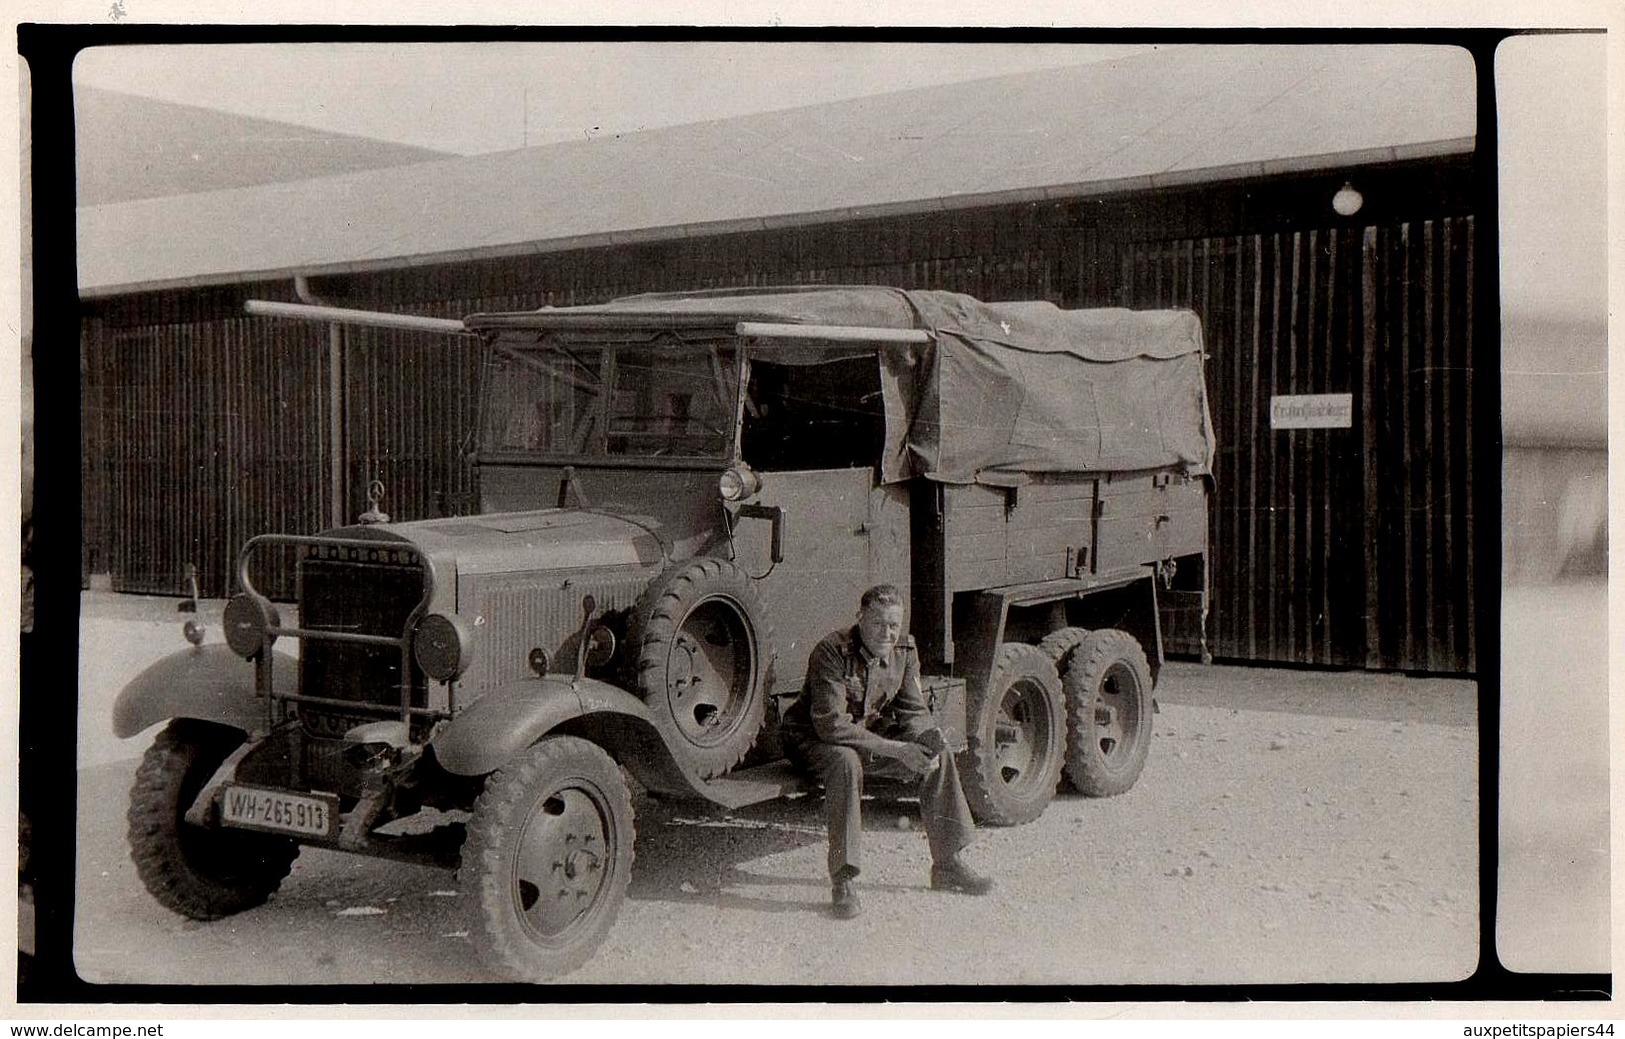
x=700, y=648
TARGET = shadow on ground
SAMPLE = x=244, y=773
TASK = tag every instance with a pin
x=687, y=853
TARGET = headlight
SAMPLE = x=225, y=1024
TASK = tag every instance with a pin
x=248, y=621
x=443, y=646
x=739, y=483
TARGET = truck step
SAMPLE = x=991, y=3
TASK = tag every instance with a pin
x=755, y=785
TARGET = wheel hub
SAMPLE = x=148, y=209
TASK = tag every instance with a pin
x=1114, y=715
x=1016, y=737
x=559, y=870
x=708, y=675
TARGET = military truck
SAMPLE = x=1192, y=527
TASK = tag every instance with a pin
x=680, y=494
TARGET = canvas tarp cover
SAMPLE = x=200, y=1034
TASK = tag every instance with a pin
x=1002, y=387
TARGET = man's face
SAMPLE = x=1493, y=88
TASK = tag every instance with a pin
x=881, y=628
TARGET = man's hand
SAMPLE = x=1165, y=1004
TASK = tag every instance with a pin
x=932, y=740
x=911, y=756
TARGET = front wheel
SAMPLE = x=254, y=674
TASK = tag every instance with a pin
x=196, y=871
x=547, y=859
x=1108, y=699
x=1017, y=738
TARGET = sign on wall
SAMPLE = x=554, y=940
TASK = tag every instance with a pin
x=1312, y=411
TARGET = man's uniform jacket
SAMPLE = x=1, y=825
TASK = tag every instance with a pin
x=853, y=698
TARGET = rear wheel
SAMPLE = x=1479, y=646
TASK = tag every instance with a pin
x=700, y=645
x=1108, y=698
x=1017, y=738
x=200, y=872
x=547, y=859
x=1059, y=644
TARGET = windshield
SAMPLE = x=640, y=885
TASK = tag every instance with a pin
x=665, y=399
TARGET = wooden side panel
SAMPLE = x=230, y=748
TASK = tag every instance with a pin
x=1184, y=532
x=1050, y=522
x=974, y=536
x=1126, y=527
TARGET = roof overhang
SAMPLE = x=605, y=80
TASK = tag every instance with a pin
x=676, y=232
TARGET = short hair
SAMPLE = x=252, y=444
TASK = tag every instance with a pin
x=880, y=595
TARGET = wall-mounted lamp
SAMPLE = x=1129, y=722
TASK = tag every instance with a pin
x=1347, y=201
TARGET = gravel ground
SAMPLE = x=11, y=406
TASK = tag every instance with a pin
x=1289, y=827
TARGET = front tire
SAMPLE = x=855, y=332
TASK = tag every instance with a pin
x=1108, y=697
x=547, y=859
x=1017, y=738
x=195, y=871
x=701, y=645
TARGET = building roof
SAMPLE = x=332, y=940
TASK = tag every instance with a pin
x=129, y=147
x=1173, y=116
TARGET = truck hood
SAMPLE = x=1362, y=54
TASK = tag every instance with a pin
x=547, y=539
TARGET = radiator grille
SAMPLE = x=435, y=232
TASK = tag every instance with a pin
x=368, y=598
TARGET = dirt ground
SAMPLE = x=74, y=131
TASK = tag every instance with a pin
x=1289, y=827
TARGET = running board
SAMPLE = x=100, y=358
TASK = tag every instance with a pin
x=754, y=785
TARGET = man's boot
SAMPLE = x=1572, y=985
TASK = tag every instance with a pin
x=954, y=875
x=844, y=899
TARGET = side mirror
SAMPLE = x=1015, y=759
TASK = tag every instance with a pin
x=775, y=514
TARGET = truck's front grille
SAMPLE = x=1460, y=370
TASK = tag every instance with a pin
x=359, y=597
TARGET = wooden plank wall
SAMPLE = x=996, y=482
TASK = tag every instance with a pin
x=205, y=428
x=410, y=424
x=1418, y=292
x=1349, y=547
x=212, y=433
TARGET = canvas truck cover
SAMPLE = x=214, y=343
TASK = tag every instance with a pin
x=1000, y=388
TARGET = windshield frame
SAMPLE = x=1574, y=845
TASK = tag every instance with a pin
x=728, y=358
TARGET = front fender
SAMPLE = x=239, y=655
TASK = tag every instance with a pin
x=209, y=683
x=497, y=727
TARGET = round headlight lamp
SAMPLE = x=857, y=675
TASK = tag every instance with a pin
x=443, y=646
x=248, y=621
x=738, y=483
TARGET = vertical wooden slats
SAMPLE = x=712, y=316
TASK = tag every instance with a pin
x=1253, y=414
x=1311, y=615
x=1371, y=434
x=1343, y=547
x=1445, y=561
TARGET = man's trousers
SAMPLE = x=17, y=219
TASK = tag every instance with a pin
x=943, y=811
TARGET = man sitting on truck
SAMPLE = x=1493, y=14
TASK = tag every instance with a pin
x=862, y=711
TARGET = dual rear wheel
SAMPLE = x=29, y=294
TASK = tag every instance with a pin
x=1078, y=704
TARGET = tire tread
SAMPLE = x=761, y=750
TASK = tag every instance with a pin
x=984, y=788
x=154, y=832
x=481, y=874
x=1087, y=666
x=655, y=621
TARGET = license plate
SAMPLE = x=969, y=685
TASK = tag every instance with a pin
x=278, y=811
